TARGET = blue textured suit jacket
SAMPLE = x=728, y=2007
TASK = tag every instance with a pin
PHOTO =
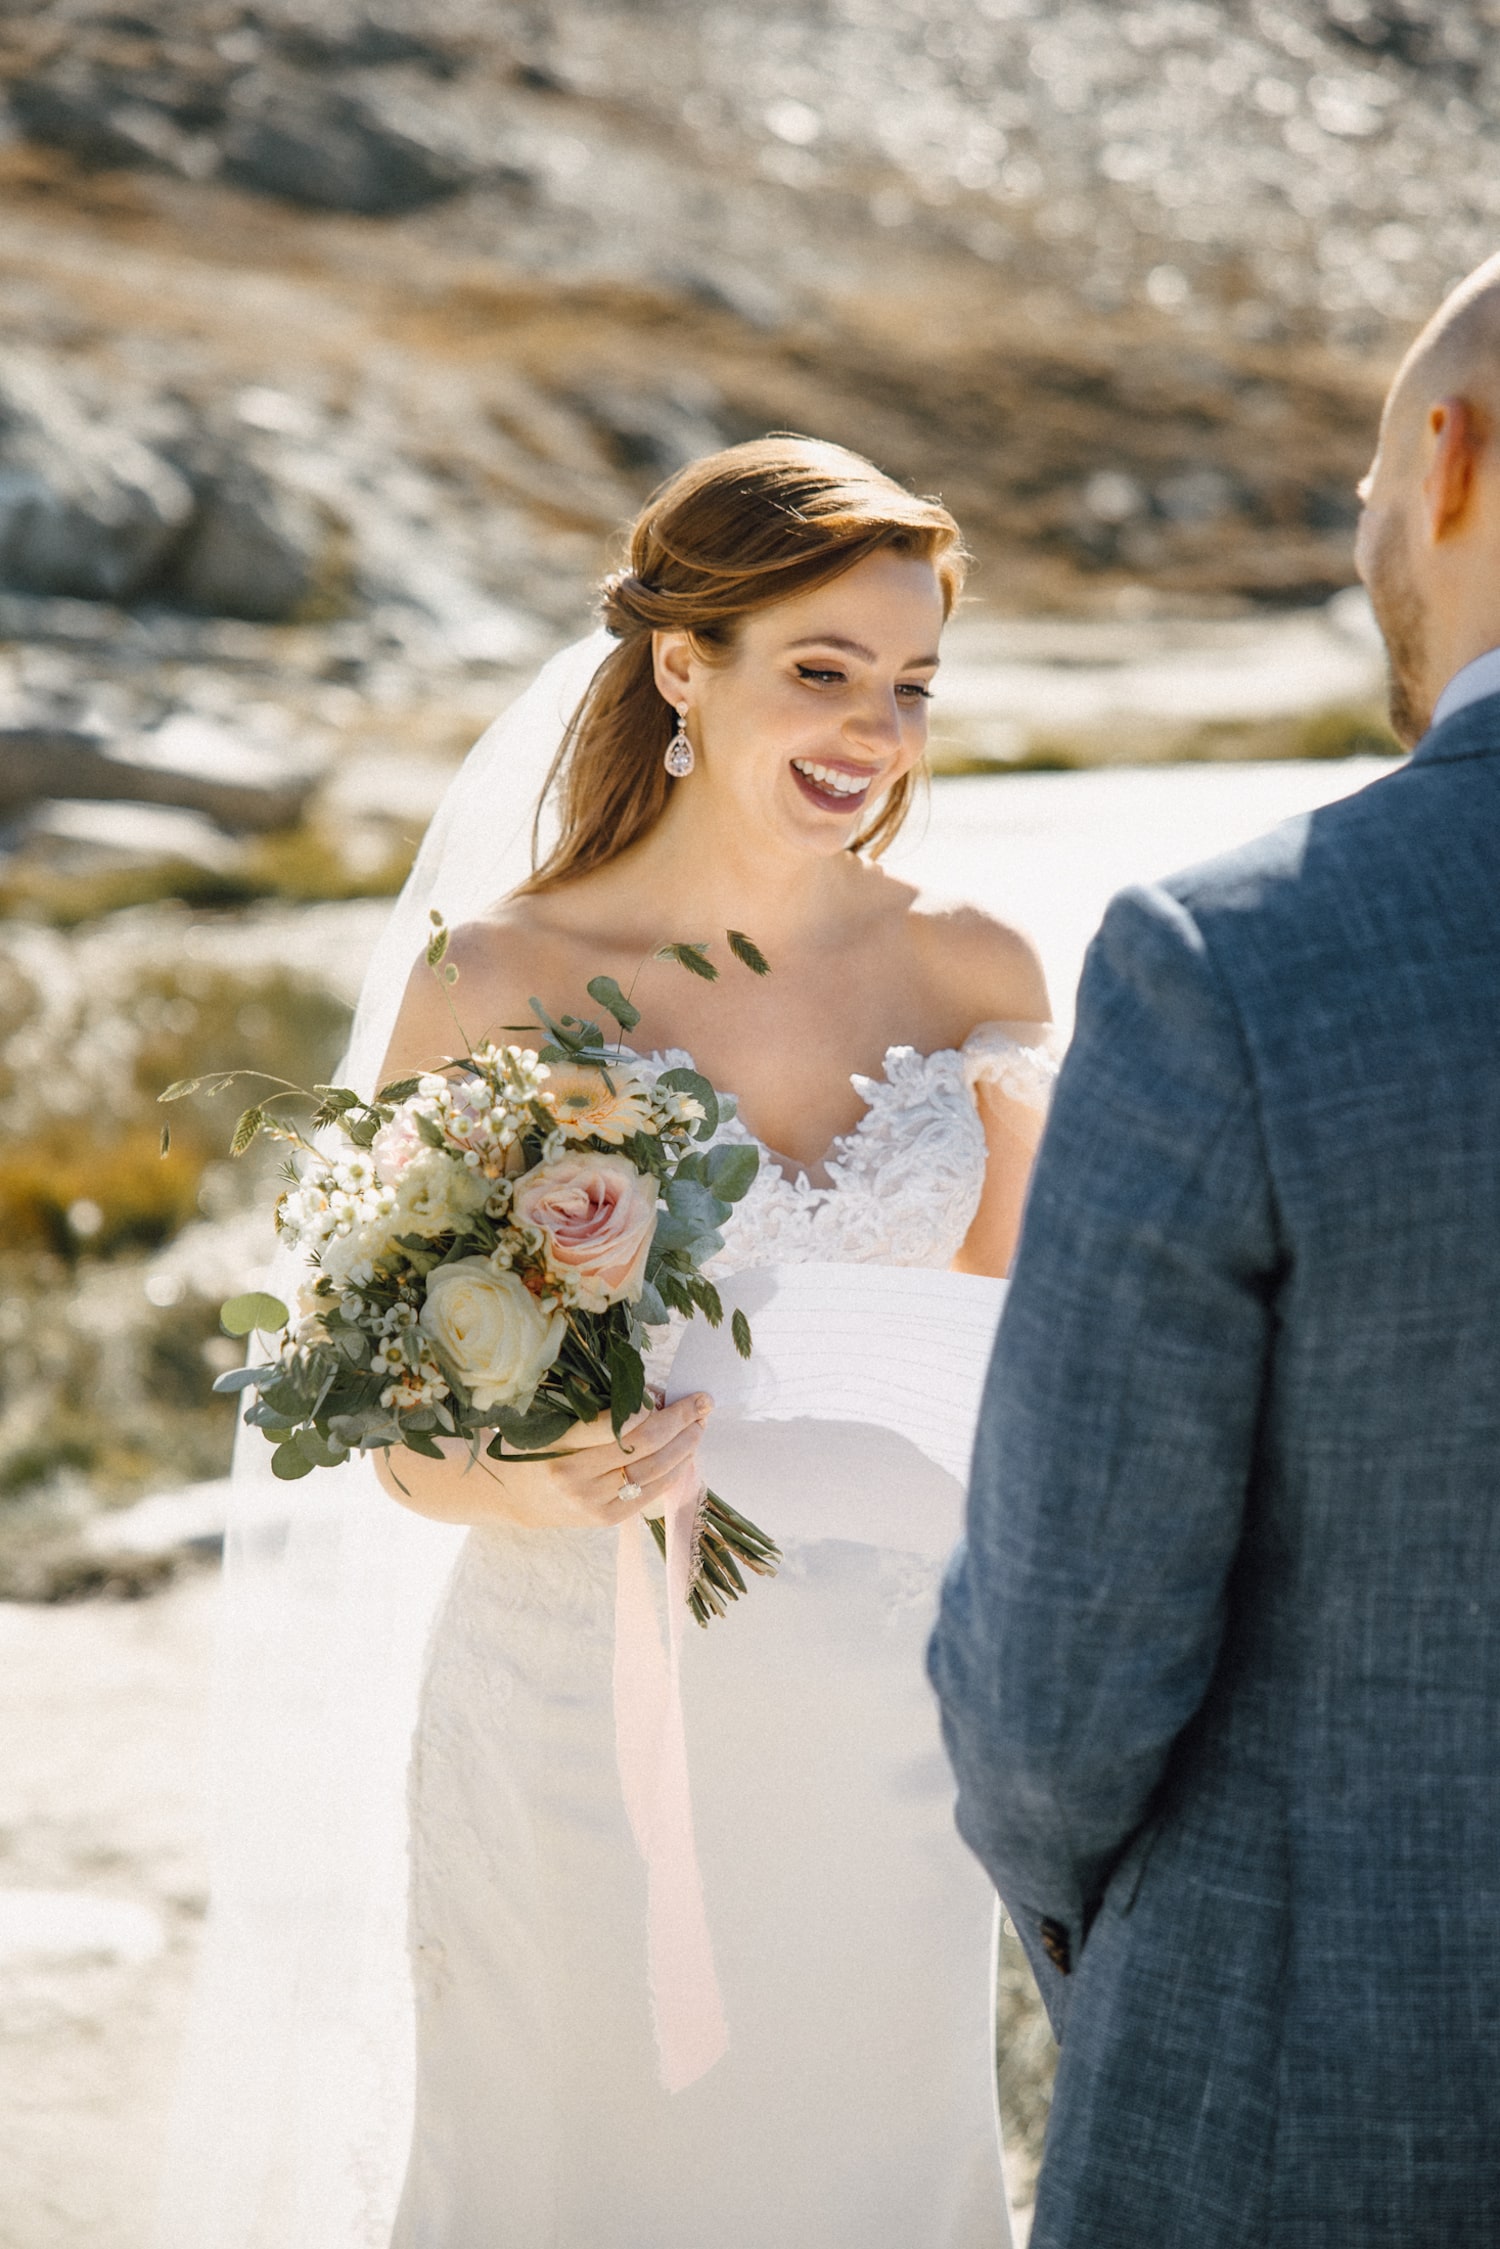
x=1220, y=1659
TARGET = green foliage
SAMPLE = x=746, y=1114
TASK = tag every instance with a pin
x=607, y=992
x=693, y=1082
x=748, y=952
x=694, y=958
x=243, y=1315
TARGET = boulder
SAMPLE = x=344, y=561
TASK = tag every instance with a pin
x=189, y=762
x=77, y=837
x=334, y=150
x=85, y=509
x=257, y=548
x=159, y=114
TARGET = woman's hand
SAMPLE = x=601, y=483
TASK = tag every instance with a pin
x=583, y=1488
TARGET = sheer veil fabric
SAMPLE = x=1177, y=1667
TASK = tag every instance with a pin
x=292, y=2117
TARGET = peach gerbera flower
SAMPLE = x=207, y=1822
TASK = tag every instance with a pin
x=598, y=1105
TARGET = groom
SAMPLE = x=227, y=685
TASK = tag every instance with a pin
x=1220, y=1662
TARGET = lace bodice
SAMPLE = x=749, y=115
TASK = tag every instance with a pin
x=903, y=1185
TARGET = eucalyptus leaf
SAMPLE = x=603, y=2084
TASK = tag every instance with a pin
x=321, y=1451
x=262, y=1416
x=243, y=1314
x=607, y=992
x=289, y=1462
x=418, y=1440
x=528, y=1432
x=649, y=1305
x=731, y=1171
x=560, y=1033
x=691, y=1199
x=242, y=1378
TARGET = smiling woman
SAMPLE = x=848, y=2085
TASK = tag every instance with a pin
x=744, y=531
x=784, y=608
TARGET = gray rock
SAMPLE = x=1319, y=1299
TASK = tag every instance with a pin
x=80, y=837
x=188, y=763
x=257, y=548
x=656, y=432
x=84, y=508
x=334, y=150
x=159, y=113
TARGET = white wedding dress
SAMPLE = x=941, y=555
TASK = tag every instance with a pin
x=854, y=2108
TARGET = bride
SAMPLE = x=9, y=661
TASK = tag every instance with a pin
x=747, y=741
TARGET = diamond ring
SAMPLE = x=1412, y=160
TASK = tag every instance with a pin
x=628, y=1491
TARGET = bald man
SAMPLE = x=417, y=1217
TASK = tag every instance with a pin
x=1220, y=1658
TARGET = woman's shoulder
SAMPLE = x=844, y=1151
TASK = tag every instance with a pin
x=987, y=970
x=489, y=967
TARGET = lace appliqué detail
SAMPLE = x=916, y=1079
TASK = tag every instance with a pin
x=1020, y=1060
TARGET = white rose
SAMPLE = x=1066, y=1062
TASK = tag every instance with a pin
x=490, y=1329
x=435, y=1195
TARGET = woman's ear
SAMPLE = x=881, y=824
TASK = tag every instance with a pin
x=671, y=660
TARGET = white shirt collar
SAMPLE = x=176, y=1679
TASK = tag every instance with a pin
x=1471, y=685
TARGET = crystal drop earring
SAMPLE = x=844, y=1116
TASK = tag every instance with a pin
x=679, y=759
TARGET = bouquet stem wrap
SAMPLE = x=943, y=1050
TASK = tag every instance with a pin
x=651, y=1746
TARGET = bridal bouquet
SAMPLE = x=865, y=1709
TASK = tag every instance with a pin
x=489, y=1247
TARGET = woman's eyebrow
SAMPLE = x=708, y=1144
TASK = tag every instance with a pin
x=857, y=648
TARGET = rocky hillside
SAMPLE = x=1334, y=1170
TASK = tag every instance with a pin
x=313, y=308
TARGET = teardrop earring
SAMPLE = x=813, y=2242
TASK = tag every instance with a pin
x=679, y=759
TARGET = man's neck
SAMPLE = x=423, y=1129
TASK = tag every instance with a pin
x=1473, y=681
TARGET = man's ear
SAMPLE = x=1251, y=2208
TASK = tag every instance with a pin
x=1455, y=441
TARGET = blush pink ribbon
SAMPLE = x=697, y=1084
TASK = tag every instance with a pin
x=651, y=1747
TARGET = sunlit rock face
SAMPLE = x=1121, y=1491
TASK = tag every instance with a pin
x=1287, y=164
x=374, y=309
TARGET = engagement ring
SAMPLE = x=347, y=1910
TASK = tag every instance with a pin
x=628, y=1490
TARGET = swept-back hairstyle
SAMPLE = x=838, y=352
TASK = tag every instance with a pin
x=732, y=534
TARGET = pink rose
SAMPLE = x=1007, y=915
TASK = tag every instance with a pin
x=597, y=1215
x=394, y=1146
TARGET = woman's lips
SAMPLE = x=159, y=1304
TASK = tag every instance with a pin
x=826, y=794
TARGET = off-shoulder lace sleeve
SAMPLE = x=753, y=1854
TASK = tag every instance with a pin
x=1020, y=1060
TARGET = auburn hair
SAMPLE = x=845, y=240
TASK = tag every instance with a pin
x=727, y=536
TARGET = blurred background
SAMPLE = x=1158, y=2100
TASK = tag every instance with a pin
x=336, y=342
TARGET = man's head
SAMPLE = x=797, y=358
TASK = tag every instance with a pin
x=1429, y=539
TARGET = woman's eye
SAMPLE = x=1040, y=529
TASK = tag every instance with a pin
x=822, y=678
x=915, y=689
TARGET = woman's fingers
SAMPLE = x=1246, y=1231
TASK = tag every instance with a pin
x=669, y=1460
x=647, y=1432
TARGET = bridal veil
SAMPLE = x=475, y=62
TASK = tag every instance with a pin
x=292, y=2116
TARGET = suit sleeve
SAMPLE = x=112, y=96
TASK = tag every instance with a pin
x=1083, y=1614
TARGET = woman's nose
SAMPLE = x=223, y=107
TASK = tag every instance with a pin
x=877, y=723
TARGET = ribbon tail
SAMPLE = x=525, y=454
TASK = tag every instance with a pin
x=651, y=1745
